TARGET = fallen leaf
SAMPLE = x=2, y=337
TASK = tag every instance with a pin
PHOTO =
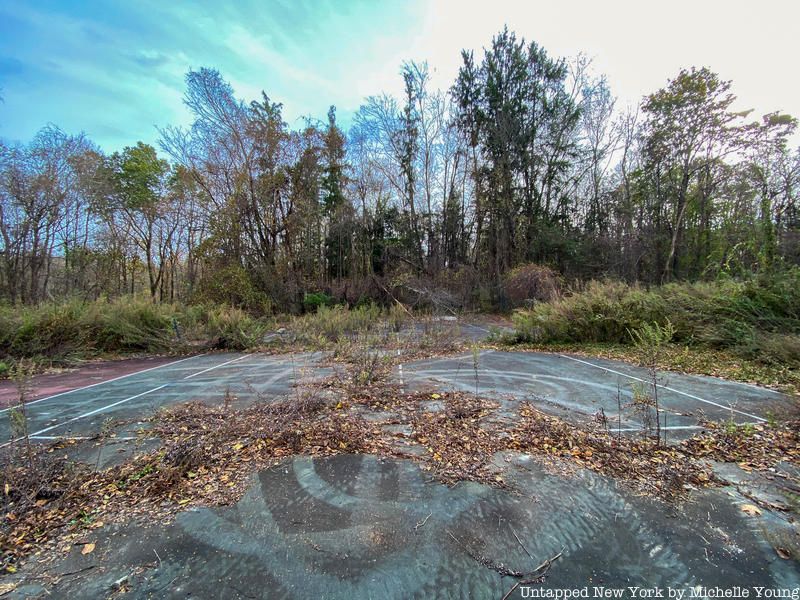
x=750, y=509
x=88, y=549
x=783, y=553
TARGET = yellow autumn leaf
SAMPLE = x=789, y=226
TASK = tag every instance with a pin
x=237, y=446
x=436, y=396
x=88, y=549
x=750, y=509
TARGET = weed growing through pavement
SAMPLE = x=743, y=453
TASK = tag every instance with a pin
x=650, y=340
x=475, y=358
x=18, y=416
x=106, y=431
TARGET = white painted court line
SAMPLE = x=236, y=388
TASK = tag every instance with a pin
x=88, y=414
x=79, y=437
x=86, y=387
x=38, y=434
x=692, y=396
x=670, y=428
x=475, y=327
x=60, y=437
x=217, y=366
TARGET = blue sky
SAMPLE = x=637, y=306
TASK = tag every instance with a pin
x=115, y=69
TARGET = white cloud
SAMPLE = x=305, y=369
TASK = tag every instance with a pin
x=89, y=71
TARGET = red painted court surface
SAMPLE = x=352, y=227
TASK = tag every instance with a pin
x=56, y=383
x=77, y=404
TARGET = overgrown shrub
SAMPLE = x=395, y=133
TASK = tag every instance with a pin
x=50, y=328
x=330, y=324
x=603, y=312
x=77, y=329
x=312, y=301
x=232, y=286
x=128, y=325
x=234, y=329
x=531, y=283
x=757, y=319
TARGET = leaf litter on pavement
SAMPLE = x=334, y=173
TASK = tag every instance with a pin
x=207, y=454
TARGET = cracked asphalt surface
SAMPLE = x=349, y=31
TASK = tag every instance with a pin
x=354, y=526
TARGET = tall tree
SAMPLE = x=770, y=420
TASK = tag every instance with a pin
x=139, y=198
x=689, y=127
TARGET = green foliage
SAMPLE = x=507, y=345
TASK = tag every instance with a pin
x=126, y=326
x=76, y=329
x=603, y=312
x=234, y=329
x=49, y=328
x=312, y=301
x=528, y=160
x=757, y=319
x=397, y=316
x=733, y=429
x=138, y=174
x=17, y=423
x=650, y=340
x=330, y=324
x=514, y=107
x=232, y=286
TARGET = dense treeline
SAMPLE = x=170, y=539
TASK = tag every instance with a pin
x=525, y=159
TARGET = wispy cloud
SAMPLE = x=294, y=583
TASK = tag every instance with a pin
x=116, y=70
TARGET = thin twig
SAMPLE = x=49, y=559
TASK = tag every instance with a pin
x=529, y=579
x=78, y=571
x=519, y=541
x=549, y=561
x=489, y=564
x=422, y=523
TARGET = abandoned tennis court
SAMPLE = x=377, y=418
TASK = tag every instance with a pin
x=361, y=526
